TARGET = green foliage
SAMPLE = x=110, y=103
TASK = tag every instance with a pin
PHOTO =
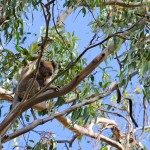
x=12, y=16
x=42, y=113
x=131, y=53
x=137, y=57
x=60, y=101
x=105, y=148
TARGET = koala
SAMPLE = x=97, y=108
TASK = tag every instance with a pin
x=44, y=76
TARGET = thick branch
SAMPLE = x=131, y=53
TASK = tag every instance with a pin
x=9, y=96
x=51, y=94
x=6, y=95
x=61, y=18
x=77, y=129
x=67, y=88
x=115, y=2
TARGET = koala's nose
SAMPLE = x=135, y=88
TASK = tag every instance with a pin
x=49, y=73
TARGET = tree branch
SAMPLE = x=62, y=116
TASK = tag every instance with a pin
x=112, y=2
x=122, y=3
x=6, y=95
x=68, y=110
x=87, y=70
x=77, y=129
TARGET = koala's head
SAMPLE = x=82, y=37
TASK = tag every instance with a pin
x=47, y=68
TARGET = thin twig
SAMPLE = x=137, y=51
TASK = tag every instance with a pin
x=47, y=20
x=56, y=27
x=120, y=65
x=144, y=119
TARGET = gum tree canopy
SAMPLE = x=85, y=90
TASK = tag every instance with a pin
x=102, y=48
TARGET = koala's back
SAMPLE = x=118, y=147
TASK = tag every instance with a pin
x=44, y=76
x=25, y=83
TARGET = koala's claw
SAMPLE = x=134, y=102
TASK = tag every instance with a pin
x=57, y=88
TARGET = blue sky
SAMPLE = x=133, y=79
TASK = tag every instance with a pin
x=81, y=30
x=79, y=25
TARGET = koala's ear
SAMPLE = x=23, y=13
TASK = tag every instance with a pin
x=54, y=65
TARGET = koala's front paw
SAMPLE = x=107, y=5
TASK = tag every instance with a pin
x=57, y=88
